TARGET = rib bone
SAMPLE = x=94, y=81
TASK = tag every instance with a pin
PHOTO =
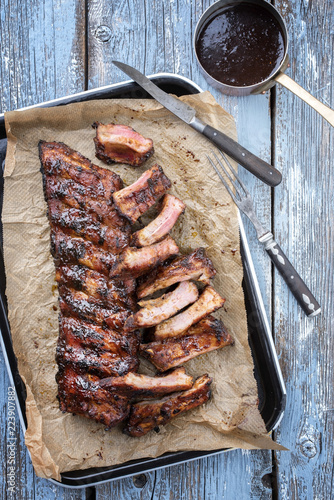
x=145, y=416
x=157, y=310
x=207, y=335
x=208, y=302
x=172, y=208
x=137, y=261
x=135, y=385
x=136, y=199
x=195, y=266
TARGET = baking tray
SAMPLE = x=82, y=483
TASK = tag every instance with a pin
x=272, y=394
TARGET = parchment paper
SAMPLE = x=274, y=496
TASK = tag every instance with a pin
x=62, y=442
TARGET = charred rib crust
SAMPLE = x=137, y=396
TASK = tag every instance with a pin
x=196, y=266
x=207, y=335
x=87, y=233
x=136, y=199
x=145, y=416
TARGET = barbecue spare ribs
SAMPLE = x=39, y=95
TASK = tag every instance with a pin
x=88, y=238
x=98, y=260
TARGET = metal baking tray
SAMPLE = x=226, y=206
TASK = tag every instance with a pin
x=272, y=394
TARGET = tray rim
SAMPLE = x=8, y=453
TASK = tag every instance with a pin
x=104, y=89
x=244, y=241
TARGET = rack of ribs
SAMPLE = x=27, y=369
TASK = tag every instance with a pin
x=99, y=263
x=89, y=235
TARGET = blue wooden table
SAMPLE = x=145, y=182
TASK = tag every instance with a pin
x=51, y=48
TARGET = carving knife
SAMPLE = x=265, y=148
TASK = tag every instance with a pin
x=261, y=169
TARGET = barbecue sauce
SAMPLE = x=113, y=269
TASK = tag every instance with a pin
x=241, y=45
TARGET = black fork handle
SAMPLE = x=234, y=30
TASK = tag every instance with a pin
x=261, y=169
x=302, y=293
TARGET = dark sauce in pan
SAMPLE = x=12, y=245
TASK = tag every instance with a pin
x=241, y=45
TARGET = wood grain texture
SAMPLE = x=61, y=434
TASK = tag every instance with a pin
x=43, y=46
x=303, y=224
x=160, y=39
x=43, y=57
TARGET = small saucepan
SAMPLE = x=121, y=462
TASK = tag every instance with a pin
x=242, y=49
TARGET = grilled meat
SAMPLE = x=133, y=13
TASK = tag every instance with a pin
x=76, y=222
x=110, y=293
x=97, y=348
x=81, y=394
x=135, y=385
x=207, y=335
x=136, y=199
x=145, y=416
x=195, y=266
x=138, y=261
x=59, y=160
x=121, y=144
x=66, y=249
x=156, y=310
x=85, y=198
x=80, y=305
x=172, y=208
x=92, y=349
x=208, y=302
x=87, y=233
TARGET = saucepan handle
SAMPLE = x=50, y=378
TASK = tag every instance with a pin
x=321, y=108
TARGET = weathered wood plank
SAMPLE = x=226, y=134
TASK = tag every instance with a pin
x=42, y=47
x=217, y=477
x=303, y=224
x=137, y=487
x=154, y=37
x=43, y=57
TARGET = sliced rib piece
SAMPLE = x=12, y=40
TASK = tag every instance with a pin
x=145, y=416
x=60, y=160
x=172, y=208
x=121, y=144
x=92, y=349
x=195, y=266
x=135, y=385
x=136, y=199
x=208, y=302
x=135, y=262
x=81, y=394
x=77, y=222
x=207, y=335
x=157, y=310
x=66, y=249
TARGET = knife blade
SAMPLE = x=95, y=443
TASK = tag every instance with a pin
x=261, y=169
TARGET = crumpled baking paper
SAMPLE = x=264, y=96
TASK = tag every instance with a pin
x=62, y=442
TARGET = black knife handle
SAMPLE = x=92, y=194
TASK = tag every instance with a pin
x=261, y=169
x=297, y=286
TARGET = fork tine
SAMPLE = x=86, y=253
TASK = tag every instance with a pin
x=228, y=175
x=223, y=180
x=234, y=172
